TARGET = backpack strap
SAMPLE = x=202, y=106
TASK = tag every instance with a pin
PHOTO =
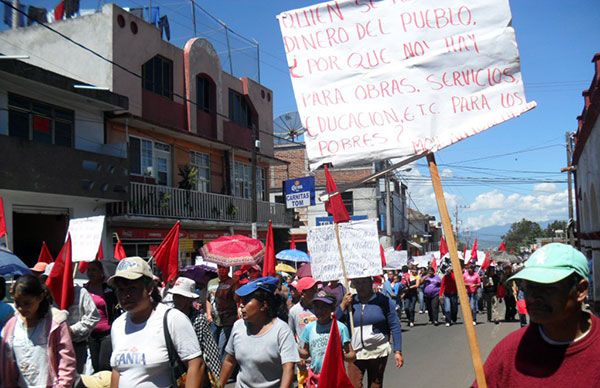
x=175, y=363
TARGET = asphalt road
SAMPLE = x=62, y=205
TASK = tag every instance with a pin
x=438, y=356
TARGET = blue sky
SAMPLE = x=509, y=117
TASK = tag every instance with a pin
x=557, y=40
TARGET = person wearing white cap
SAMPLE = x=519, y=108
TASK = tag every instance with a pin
x=184, y=294
x=140, y=355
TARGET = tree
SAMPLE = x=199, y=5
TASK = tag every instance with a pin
x=522, y=233
x=553, y=226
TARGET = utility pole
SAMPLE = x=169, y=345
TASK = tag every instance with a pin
x=255, y=145
x=570, y=184
x=388, y=210
x=194, y=17
x=456, y=218
x=15, y=15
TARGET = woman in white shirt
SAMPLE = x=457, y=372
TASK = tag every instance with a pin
x=140, y=356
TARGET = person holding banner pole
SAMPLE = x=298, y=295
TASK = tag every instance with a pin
x=374, y=321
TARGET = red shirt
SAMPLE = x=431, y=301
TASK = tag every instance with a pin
x=448, y=285
x=525, y=359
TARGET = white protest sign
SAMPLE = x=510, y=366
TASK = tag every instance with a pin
x=388, y=79
x=360, y=247
x=86, y=234
x=395, y=259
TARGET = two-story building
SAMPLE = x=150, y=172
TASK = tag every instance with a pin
x=367, y=201
x=189, y=130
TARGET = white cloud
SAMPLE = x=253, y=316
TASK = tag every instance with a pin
x=490, y=200
x=545, y=188
x=538, y=206
x=422, y=192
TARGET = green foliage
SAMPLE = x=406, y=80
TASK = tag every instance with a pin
x=555, y=225
x=189, y=177
x=522, y=234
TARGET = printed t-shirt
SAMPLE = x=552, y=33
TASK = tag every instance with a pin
x=525, y=359
x=140, y=352
x=298, y=318
x=261, y=357
x=317, y=336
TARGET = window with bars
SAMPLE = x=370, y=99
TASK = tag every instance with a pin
x=204, y=91
x=38, y=121
x=157, y=76
x=243, y=181
x=202, y=162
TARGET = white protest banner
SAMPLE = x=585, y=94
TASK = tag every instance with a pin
x=360, y=247
x=395, y=259
x=86, y=234
x=385, y=79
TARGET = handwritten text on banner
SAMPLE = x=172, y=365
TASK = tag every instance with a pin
x=360, y=247
x=384, y=79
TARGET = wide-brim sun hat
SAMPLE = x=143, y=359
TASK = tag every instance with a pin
x=552, y=263
x=184, y=287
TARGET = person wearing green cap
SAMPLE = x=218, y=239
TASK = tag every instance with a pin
x=561, y=346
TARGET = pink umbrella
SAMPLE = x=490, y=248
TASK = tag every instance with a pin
x=229, y=251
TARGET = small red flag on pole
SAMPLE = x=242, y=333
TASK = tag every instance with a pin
x=434, y=263
x=443, y=247
x=474, y=253
x=486, y=262
x=3, y=231
x=119, y=251
x=45, y=256
x=502, y=247
x=166, y=255
x=382, y=254
x=333, y=372
x=335, y=206
x=60, y=280
x=269, y=259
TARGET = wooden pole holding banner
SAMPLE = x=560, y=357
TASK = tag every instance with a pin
x=346, y=283
x=460, y=283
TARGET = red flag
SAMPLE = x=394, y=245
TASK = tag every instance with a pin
x=119, y=251
x=465, y=255
x=474, y=253
x=269, y=260
x=83, y=265
x=335, y=206
x=2, y=219
x=434, y=263
x=60, y=281
x=59, y=11
x=382, y=253
x=166, y=255
x=502, y=247
x=293, y=243
x=45, y=255
x=333, y=372
x=443, y=247
x=486, y=262
x=399, y=247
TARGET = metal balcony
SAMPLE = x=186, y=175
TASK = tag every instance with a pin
x=147, y=200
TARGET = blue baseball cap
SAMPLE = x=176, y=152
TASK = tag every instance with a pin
x=267, y=283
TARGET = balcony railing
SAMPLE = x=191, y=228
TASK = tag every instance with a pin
x=160, y=201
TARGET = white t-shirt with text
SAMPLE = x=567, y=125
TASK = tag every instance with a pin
x=140, y=352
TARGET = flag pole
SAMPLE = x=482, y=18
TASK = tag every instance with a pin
x=343, y=264
x=460, y=283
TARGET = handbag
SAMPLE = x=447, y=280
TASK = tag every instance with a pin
x=176, y=367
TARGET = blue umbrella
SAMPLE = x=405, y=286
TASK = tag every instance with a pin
x=11, y=265
x=294, y=255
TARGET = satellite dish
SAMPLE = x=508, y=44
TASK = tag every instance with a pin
x=288, y=129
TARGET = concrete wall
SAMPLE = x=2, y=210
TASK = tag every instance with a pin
x=52, y=52
x=588, y=181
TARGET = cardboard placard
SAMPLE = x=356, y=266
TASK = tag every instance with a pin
x=360, y=247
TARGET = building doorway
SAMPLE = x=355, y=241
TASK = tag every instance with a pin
x=33, y=226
